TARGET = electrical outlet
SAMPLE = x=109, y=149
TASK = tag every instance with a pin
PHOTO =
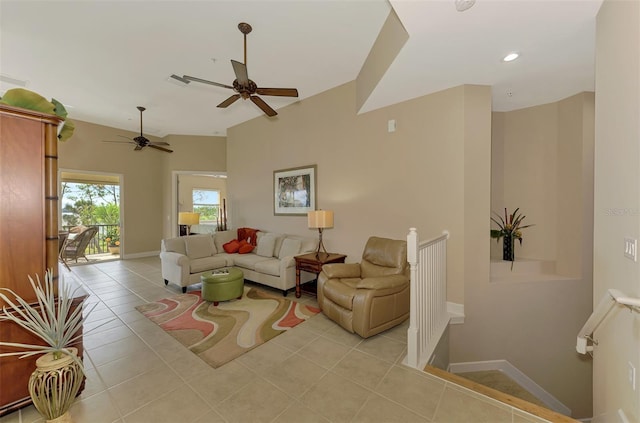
x=632, y=376
x=631, y=248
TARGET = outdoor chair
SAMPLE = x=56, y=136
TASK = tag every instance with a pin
x=75, y=247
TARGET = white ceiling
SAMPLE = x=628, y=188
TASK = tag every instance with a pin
x=104, y=58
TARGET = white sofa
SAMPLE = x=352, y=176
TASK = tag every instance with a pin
x=270, y=263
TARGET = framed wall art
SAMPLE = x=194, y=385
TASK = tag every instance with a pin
x=294, y=191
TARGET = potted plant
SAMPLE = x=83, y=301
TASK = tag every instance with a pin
x=510, y=228
x=59, y=372
x=112, y=238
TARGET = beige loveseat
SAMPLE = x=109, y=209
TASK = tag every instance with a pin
x=270, y=263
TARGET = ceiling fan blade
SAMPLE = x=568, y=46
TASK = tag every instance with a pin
x=138, y=147
x=204, y=81
x=240, y=70
x=122, y=136
x=229, y=101
x=283, y=92
x=159, y=143
x=264, y=106
x=160, y=148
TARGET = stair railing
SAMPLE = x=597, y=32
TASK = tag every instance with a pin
x=611, y=299
x=428, y=317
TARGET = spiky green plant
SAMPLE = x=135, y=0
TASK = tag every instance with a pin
x=51, y=318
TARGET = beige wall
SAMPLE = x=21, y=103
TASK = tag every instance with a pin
x=376, y=182
x=617, y=204
x=146, y=175
x=543, y=164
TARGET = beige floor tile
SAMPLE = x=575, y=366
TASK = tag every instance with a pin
x=398, y=333
x=189, y=366
x=324, y=352
x=294, y=375
x=93, y=384
x=96, y=409
x=216, y=385
x=25, y=415
x=336, y=398
x=296, y=338
x=456, y=406
x=265, y=355
x=142, y=389
x=180, y=405
x=415, y=391
x=97, y=326
x=379, y=409
x=362, y=368
x=210, y=417
x=298, y=413
x=98, y=339
x=257, y=402
x=115, y=350
x=125, y=368
x=319, y=323
x=338, y=334
x=382, y=347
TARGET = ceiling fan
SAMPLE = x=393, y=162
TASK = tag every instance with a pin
x=242, y=85
x=141, y=141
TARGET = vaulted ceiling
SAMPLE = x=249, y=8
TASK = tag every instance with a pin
x=104, y=58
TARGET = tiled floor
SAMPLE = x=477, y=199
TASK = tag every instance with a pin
x=316, y=372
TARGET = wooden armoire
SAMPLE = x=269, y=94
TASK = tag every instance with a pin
x=28, y=230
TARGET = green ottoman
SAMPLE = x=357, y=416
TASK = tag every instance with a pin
x=218, y=287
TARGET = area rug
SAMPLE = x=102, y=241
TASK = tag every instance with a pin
x=218, y=334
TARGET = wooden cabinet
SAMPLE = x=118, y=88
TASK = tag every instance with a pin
x=29, y=230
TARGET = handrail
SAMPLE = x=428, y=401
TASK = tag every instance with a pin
x=611, y=299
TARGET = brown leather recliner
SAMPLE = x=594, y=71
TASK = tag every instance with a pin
x=368, y=297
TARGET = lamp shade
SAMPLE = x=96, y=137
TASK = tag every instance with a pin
x=188, y=218
x=320, y=219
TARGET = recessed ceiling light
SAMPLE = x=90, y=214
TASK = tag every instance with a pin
x=462, y=5
x=510, y=57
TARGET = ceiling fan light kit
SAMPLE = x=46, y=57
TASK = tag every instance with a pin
x=462, y=5
x=242, y=85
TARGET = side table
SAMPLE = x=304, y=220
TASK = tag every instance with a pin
x=313, y=262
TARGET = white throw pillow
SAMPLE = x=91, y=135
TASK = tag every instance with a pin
x=265, y=245
x=290, y=247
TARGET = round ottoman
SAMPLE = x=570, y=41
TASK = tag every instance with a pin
x=218, y=287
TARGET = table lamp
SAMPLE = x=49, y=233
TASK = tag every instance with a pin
x=320, y=219
x=188, y=219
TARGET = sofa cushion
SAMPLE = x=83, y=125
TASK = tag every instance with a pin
x=248, y=261
x=175, y=245
x=290, y=247
x=231, y=247
x=266, y=243
x=278, y=244
x=270, y=267
x=207, y=263
x=198, y=246
x=221, y=238
x=245, y=247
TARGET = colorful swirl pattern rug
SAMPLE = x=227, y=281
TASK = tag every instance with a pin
x=219, y=334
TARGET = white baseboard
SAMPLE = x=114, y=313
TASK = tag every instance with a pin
x=523, y=380
x=141, y=255
x=456, y=313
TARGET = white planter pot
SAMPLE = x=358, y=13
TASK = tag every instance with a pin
x=54, y=384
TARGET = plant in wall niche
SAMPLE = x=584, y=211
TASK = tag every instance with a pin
x=53, y=319
x=510, y=229
x=19, y=97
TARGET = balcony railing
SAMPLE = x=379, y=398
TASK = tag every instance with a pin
x=97, y=245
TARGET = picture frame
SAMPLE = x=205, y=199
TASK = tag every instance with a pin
x=294, y=191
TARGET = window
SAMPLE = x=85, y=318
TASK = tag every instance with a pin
x=207, y=203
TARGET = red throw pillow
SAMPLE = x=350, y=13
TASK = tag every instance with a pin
x=248, y=234
x=246, y=248
x=231, y=247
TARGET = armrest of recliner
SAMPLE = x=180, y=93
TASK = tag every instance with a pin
x=383, y=282
x=341, y=270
